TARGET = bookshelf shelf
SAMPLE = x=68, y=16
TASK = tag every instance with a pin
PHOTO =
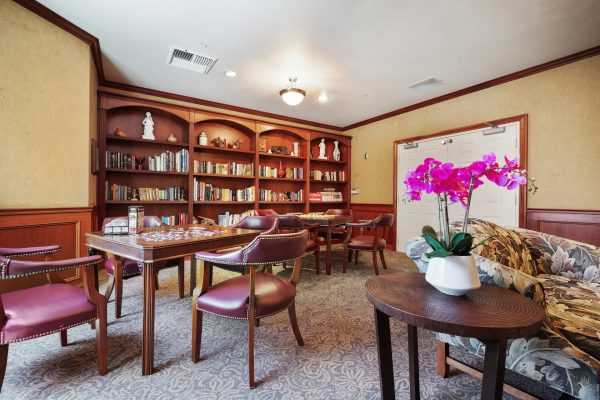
x=143, y=171
x=189, y=125
x=223, y=202
x=223, y=176
x=287, y=156
x=316, y=161
x=214, y=149
x=146, y=202
x=266, y=178
x=145, y=141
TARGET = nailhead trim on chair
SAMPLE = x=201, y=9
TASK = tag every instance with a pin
x=32, y=254
x=50, y=332
x=248, y=313
x=4, y=268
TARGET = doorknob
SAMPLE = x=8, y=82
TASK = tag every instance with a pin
x=446, y=141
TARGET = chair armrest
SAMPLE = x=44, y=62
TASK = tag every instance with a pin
x=9, y=252
x=10, y=269
x=364, y=223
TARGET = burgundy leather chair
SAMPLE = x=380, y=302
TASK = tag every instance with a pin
x=338, y=233
x=254, y=295
x=266, y=212
x=266, y=224
x=133, y=268
x=291, y=223
x=361, y=242
x=50, y=308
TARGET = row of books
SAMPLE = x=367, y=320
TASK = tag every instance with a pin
x=123, y=193
x=176, y=219
x=325, y=197
x=164, y=162
x=317, y=175
x=228, y=219
x=271, y=172
x=207, y=192
x=271, y=195
x=230, y=168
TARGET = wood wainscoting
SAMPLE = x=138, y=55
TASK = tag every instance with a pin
x=580, y=225
x=371, y=211
x=48, y=226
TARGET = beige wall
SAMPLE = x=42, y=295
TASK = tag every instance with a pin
x=564, y=135
x=47, y=79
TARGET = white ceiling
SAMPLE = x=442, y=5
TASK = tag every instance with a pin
x=363, y=53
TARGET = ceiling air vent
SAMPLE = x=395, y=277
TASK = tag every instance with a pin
x=192, y=60
x=426, y=86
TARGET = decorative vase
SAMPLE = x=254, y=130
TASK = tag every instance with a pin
x=296, y=148
x=203, y=139
x=281, y=171
x=453, y=275
x=336, y=151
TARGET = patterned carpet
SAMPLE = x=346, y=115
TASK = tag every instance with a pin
x=338, y=361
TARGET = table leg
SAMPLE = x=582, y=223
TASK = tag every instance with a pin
x=328, y=252
x=413, y=362
x=384, y=353
x=148, y=328
x=93, y=252
x=493, y=369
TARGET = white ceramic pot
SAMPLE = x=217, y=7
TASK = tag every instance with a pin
x=454, y=275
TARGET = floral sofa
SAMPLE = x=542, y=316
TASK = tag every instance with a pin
x=560, y=274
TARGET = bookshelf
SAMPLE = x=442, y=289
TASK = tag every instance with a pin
x=242, y=178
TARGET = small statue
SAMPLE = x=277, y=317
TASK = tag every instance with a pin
x=148, y=127
x=336, y=151
x=139, y=162
x=172, y=138
x=120, y=133
x=322, y=155
x=236, y=145
x=134, y=195
x=219, y=142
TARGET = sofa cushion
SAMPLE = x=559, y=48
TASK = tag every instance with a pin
x=573, y=315
x=559, y=256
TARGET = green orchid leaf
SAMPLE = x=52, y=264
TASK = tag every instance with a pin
x=433, y=242
x=438, y=253
x=428, y=230
x=463, y=247
x=457, y=237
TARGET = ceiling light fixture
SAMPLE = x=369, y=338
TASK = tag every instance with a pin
x=323, y=97
x=230, y=74
x=292, y=96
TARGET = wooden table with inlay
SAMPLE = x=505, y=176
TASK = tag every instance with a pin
x=327, y=222
x=490, y=314
x=159, y=244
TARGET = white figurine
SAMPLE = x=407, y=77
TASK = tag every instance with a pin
x=336, y=151
x=322, y=155
x=148, y=127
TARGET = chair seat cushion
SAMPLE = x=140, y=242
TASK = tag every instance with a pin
x=45, y=309
x=130, y=268
x=364, y=242
x=230, y=298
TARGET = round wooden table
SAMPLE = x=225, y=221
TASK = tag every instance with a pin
x=490, y=314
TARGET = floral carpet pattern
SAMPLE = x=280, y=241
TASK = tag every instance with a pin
x=338, y=361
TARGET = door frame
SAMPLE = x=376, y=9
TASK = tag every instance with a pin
x=523, y=126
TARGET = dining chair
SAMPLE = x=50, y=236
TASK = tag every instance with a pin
x=49, y=308
x=266, y=224
x=338, y=233
x=265, y=212
x=131, y=268
x=292, y=223
x=361, y=242
x=254, y=295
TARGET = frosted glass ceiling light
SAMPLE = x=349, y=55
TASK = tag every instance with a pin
x=292, y=96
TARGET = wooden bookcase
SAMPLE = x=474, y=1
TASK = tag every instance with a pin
x=187, y=124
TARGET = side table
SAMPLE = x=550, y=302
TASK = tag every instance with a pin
x=490, y=314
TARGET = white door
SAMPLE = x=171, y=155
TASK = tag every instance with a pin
x=489, y=202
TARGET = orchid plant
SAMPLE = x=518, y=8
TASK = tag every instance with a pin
x=456, y=185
